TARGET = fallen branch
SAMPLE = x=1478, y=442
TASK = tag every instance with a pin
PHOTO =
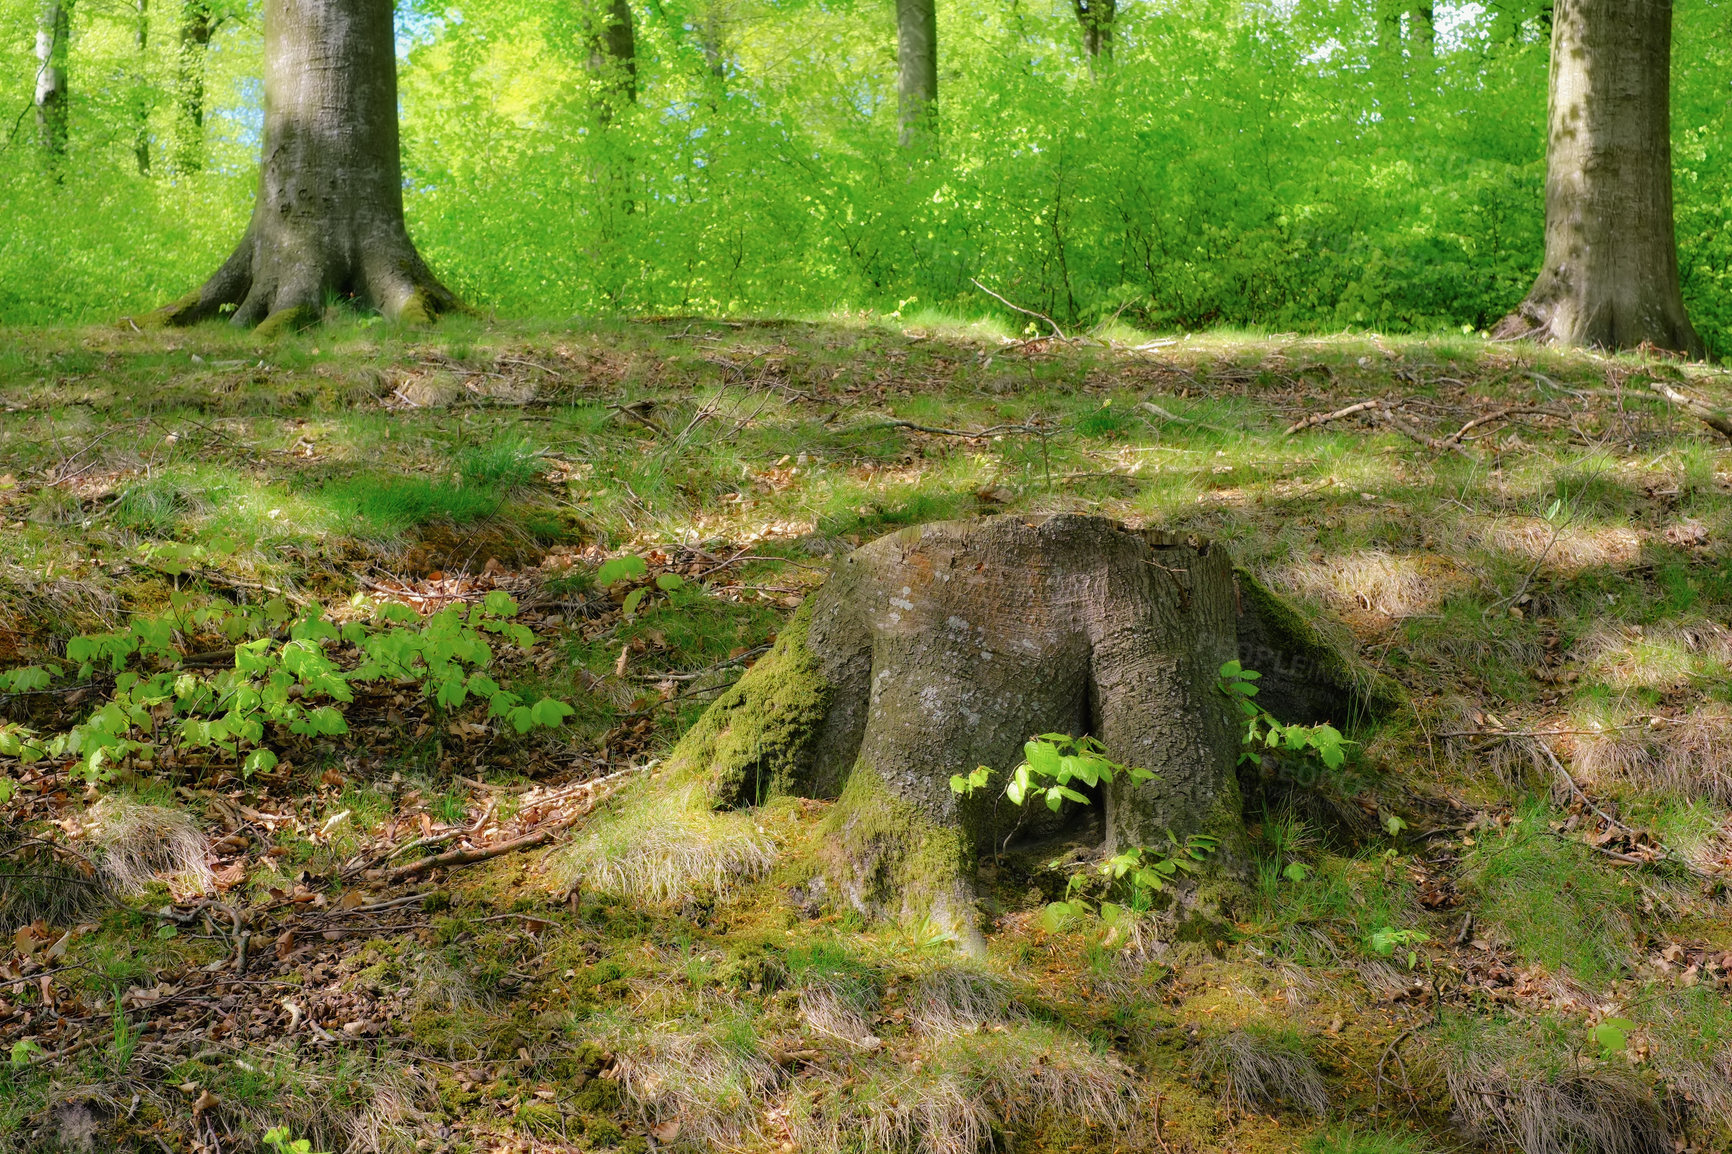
x=462, y=857
x=1628, y=859
x=1717, y=419
x=1056, y=331
x=1388, y=417
x=970, y=434
x=1501, y=414
x=1316, y=419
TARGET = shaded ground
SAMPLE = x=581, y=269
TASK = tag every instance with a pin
x=1549, y=583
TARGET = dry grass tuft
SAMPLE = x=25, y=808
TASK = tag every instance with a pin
x=137, y=844
x=1570, y=1112
x=1658, y=657
x=39, y=882
x=1261, y=1069
x=663, y=849
x=1370, y=580
x=350, y=1105
x=1691, y=760
x=1574, y=549
x=838, y=1011
x=960, y=999
x=712, y=1079
x=966, y=1086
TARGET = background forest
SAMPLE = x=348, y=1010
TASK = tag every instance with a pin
x=1289, y=165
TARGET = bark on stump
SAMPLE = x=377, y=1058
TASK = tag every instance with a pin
x=945, y=647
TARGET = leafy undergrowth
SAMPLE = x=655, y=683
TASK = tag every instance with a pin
x=1502, y=922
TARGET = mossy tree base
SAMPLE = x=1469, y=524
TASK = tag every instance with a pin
x=945, y=647
x=328, y=221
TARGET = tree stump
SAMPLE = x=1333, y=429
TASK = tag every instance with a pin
x=947, y=646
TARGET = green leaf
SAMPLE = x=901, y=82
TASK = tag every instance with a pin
x=1056, y=916
x=1296, y=871
x=632, y=601
x=499, y=603
x=668, y=582
x=258, y=761
x=621, y=569
x=549, y=713
x=1393, y=825
x=1612, y=1035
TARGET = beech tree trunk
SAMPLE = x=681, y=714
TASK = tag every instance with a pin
x=1610, y=278
x=328, y=218
x=946, y=647
x=141, y=110
x=53, y=30
x=917, y=70
x=1096, y=18
x=613, y=57
x=196, y=28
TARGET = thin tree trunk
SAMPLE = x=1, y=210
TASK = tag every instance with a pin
x=1610, y=278
x=613, y=57
x=917, y=70
x=328, y=219
x=53, y=29
x=196, y=29
x=1096, y=18
x=141, y=113
x=1422, y=24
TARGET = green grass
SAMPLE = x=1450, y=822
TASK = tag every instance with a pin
x=319, y=476
x=1554, y=901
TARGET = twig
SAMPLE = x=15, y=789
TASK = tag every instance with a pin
x=1716, y=419
x=1158, y=1138
x=461, y=857
x=1156, y=410
x=1056, y=331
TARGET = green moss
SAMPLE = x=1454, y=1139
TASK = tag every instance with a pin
x=1374, y=694
x=890, y=859
x=751, y=744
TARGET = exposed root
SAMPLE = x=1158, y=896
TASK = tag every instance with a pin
x=1263, y=1069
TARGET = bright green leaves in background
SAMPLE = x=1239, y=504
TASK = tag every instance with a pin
x=1237, y=163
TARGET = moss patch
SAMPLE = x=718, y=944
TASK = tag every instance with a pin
x=889, y=859
x=750, y=745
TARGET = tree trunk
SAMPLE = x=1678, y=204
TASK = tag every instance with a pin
x=946, y=647
x=328, y=218
x=1610, y=278
x=917, y=70
x=141, y=111
x=1096, y=18
x=53, y=29
x=613, y=57
x=196, y=29
x=1423, y=24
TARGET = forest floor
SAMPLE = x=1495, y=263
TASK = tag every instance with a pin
x=1504, y=922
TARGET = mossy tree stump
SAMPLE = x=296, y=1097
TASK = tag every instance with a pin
x=945, y=647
